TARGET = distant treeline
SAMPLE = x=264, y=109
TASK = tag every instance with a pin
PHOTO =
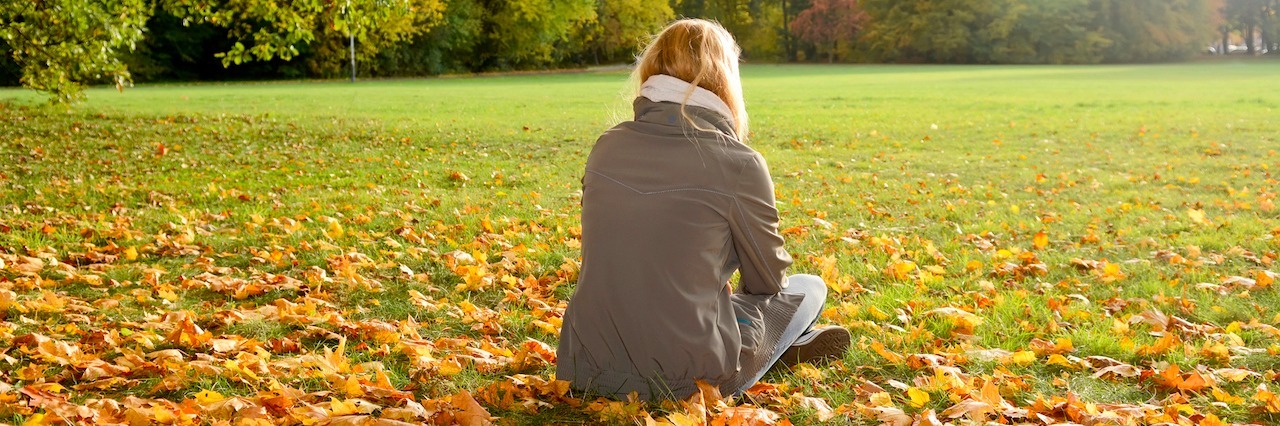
x=225, y=39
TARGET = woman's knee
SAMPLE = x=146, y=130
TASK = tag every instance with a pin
x=807, y=284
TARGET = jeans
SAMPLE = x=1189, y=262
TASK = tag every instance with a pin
x=815, y=296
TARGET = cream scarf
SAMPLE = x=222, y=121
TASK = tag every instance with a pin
x=665, y=88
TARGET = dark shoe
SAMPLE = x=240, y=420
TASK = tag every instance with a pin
x=820, y=343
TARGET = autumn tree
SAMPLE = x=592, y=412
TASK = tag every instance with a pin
x=950, y=31
x=623, y=27
x=1153, y=30
x=827, y=23
x=60, y=45
x=759, y=26
x=267, y=29
x=63, y=44
x=539, y=32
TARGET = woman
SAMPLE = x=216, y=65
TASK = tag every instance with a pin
x=673, y=204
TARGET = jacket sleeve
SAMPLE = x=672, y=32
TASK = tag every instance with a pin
x=754, y=226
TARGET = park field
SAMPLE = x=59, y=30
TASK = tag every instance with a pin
x=1020, y=245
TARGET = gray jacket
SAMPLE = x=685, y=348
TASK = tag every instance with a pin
x=670, y=210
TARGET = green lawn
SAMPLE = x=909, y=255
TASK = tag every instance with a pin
x=176, y=239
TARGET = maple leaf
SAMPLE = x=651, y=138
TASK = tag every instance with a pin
x=1040, y=240
x=1044, y=347
x=1164, y=344
x=916, y=397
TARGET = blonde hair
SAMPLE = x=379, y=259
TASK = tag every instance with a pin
x=702, y=53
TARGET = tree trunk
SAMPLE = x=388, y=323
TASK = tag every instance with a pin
x=1268, y=28
x=788, y=43
x=1248, y=39
x=1226, y=40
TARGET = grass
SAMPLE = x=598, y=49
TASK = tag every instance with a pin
x=947, y=172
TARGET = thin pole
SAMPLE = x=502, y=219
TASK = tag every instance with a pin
x=351, y=36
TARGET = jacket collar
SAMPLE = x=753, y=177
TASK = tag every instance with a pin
x=668, y=114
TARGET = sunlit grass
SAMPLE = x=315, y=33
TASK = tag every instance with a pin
x=946, y=167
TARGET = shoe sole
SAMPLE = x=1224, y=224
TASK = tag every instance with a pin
x=828, y=344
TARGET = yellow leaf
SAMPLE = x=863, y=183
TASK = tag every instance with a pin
x=205, y=397
x=918, y=397
x=807, y=371
x=36, y=420
x=900, y=270
x=351, y=387
x=131, y=253
x=1041, y=240
x=1226, y=397
x=1212, y=420
x=1197, y=216
x=683, y=419
x=449, y=367
x=881, y=399
x=1060, y=360
x=1111, y=272
x=335, y=230
x=1023, y=357
x=341, y=408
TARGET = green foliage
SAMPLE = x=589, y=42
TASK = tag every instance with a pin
x=952, y=31
x=445, y=48
x=376, y=25
x=758, y=25
x=623, y=27
x=1057, y=32
x=267, y=29
x=60, y=44
x=535, y=32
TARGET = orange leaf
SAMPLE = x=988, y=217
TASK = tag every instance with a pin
x=1160, y=346
x=469, y=412
x=888, y=355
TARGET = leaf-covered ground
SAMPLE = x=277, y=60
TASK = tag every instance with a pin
x=1017, y=245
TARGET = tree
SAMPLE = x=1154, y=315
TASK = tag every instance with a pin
x=1057, y=32
x=374, y=25
x=827, y=23
x=1153, y=30
x=1254, y=19
x=622, y=27
x=62, y=44
x=949, y=31
x=267, y=29
x=533, y=32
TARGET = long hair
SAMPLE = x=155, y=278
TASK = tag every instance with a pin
x=702, y=53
